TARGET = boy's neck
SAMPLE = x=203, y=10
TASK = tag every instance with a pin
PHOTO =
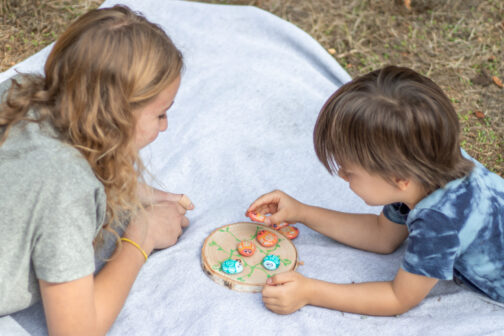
x=413, y=194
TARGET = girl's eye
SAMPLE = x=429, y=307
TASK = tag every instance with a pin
x=162, y=116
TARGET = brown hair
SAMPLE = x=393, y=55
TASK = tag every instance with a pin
x=393, y=122
x=107, y=64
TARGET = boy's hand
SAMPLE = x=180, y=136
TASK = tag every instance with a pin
x=287, y=292
x=281, y=206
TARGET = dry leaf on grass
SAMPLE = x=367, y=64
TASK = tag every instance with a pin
x=497, y=81
x=407, y=4
x=479, y=114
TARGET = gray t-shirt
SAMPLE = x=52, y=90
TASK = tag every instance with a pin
x=52, y=206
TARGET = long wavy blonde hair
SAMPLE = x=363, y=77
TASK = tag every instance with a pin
x=107, y=64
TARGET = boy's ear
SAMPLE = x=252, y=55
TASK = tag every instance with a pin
x=402, y=184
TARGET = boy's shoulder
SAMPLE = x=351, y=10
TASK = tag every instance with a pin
x=480, y=191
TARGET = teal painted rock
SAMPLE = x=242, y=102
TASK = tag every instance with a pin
x=271, y=262
x=232, y=266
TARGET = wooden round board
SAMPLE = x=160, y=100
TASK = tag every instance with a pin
x=221, y=245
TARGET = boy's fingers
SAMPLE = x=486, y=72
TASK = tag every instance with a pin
x=275, y=218
x=280, y=278
x=263, y=200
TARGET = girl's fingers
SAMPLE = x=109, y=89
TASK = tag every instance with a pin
x=185, y=222
x=186, y=202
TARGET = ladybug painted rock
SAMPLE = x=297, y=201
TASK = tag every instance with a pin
x=246, y=248
x=256, y=217
x=279, y=225
x=271, y=262
x=232, y=266
x=267, y=238
x=290, y=232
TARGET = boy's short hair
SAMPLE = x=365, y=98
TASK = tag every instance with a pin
x=393, y=122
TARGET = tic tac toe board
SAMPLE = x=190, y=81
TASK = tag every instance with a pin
x=221, y=245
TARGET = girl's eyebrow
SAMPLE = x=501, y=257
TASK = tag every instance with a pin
x=170, y=105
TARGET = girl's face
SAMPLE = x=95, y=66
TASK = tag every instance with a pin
x=152, y=117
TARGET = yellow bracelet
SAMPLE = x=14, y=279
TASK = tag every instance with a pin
x=136, y=245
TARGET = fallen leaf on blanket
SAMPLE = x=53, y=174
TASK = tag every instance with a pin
x=407, y=4
x=331, y=51
x=497, y=81
x=479, y=114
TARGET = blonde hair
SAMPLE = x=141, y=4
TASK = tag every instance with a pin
x=393, y=122
x=107, y=64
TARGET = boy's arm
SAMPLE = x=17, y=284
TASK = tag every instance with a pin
x=290, y=291
x=363, y=231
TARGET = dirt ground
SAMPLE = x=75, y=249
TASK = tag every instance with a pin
x=457, y=43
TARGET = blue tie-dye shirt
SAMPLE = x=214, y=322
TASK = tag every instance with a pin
x=458, y=231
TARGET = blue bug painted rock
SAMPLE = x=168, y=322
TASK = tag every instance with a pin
x=271, y=262
x=232, y=266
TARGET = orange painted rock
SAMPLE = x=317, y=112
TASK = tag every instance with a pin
x=290, y=232
x=246, y=248
x=256, y=217
x=267, y=238
x=279, y=225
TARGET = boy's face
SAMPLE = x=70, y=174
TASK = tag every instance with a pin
x=152, y=117
x=372, y=188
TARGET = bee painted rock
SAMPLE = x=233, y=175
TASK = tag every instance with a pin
x=267, y=238
x=290, y=232
x=246, y=248
x=256, y=217
x=271, y=262
x=232, y=266
x=279, y=225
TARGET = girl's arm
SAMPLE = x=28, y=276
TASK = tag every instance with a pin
x=287, y=292
x=89, y=306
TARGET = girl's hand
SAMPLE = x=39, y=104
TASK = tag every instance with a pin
x=281, y=206
x=150, y=195
x=286, y=293
x=159, y=226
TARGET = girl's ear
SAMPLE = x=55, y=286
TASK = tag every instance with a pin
x=402, y=184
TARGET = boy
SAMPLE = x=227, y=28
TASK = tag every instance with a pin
x=393, y=135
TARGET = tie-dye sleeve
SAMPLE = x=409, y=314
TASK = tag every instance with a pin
x=432, y=245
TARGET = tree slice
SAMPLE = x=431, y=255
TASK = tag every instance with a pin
x=221, y=245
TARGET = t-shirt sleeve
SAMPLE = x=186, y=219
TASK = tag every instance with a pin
x=63, y=248
x=432, y=245
x=396, y=212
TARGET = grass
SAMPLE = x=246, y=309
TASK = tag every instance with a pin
x=457, y=43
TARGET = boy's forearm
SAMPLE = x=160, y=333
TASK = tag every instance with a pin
x=371, y=298
x=357, y=230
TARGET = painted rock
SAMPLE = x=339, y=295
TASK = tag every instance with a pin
x=246, y=248
x=279, y=225
x=267, y=238
x=232, y=266
x=256, y=217
x=271, y=262
x=290, y=232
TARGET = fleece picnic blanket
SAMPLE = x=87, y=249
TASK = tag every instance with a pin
x=242, y=126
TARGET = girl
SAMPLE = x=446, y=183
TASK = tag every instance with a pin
x=70, y=169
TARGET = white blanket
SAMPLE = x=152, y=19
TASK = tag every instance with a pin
x=241, y=126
